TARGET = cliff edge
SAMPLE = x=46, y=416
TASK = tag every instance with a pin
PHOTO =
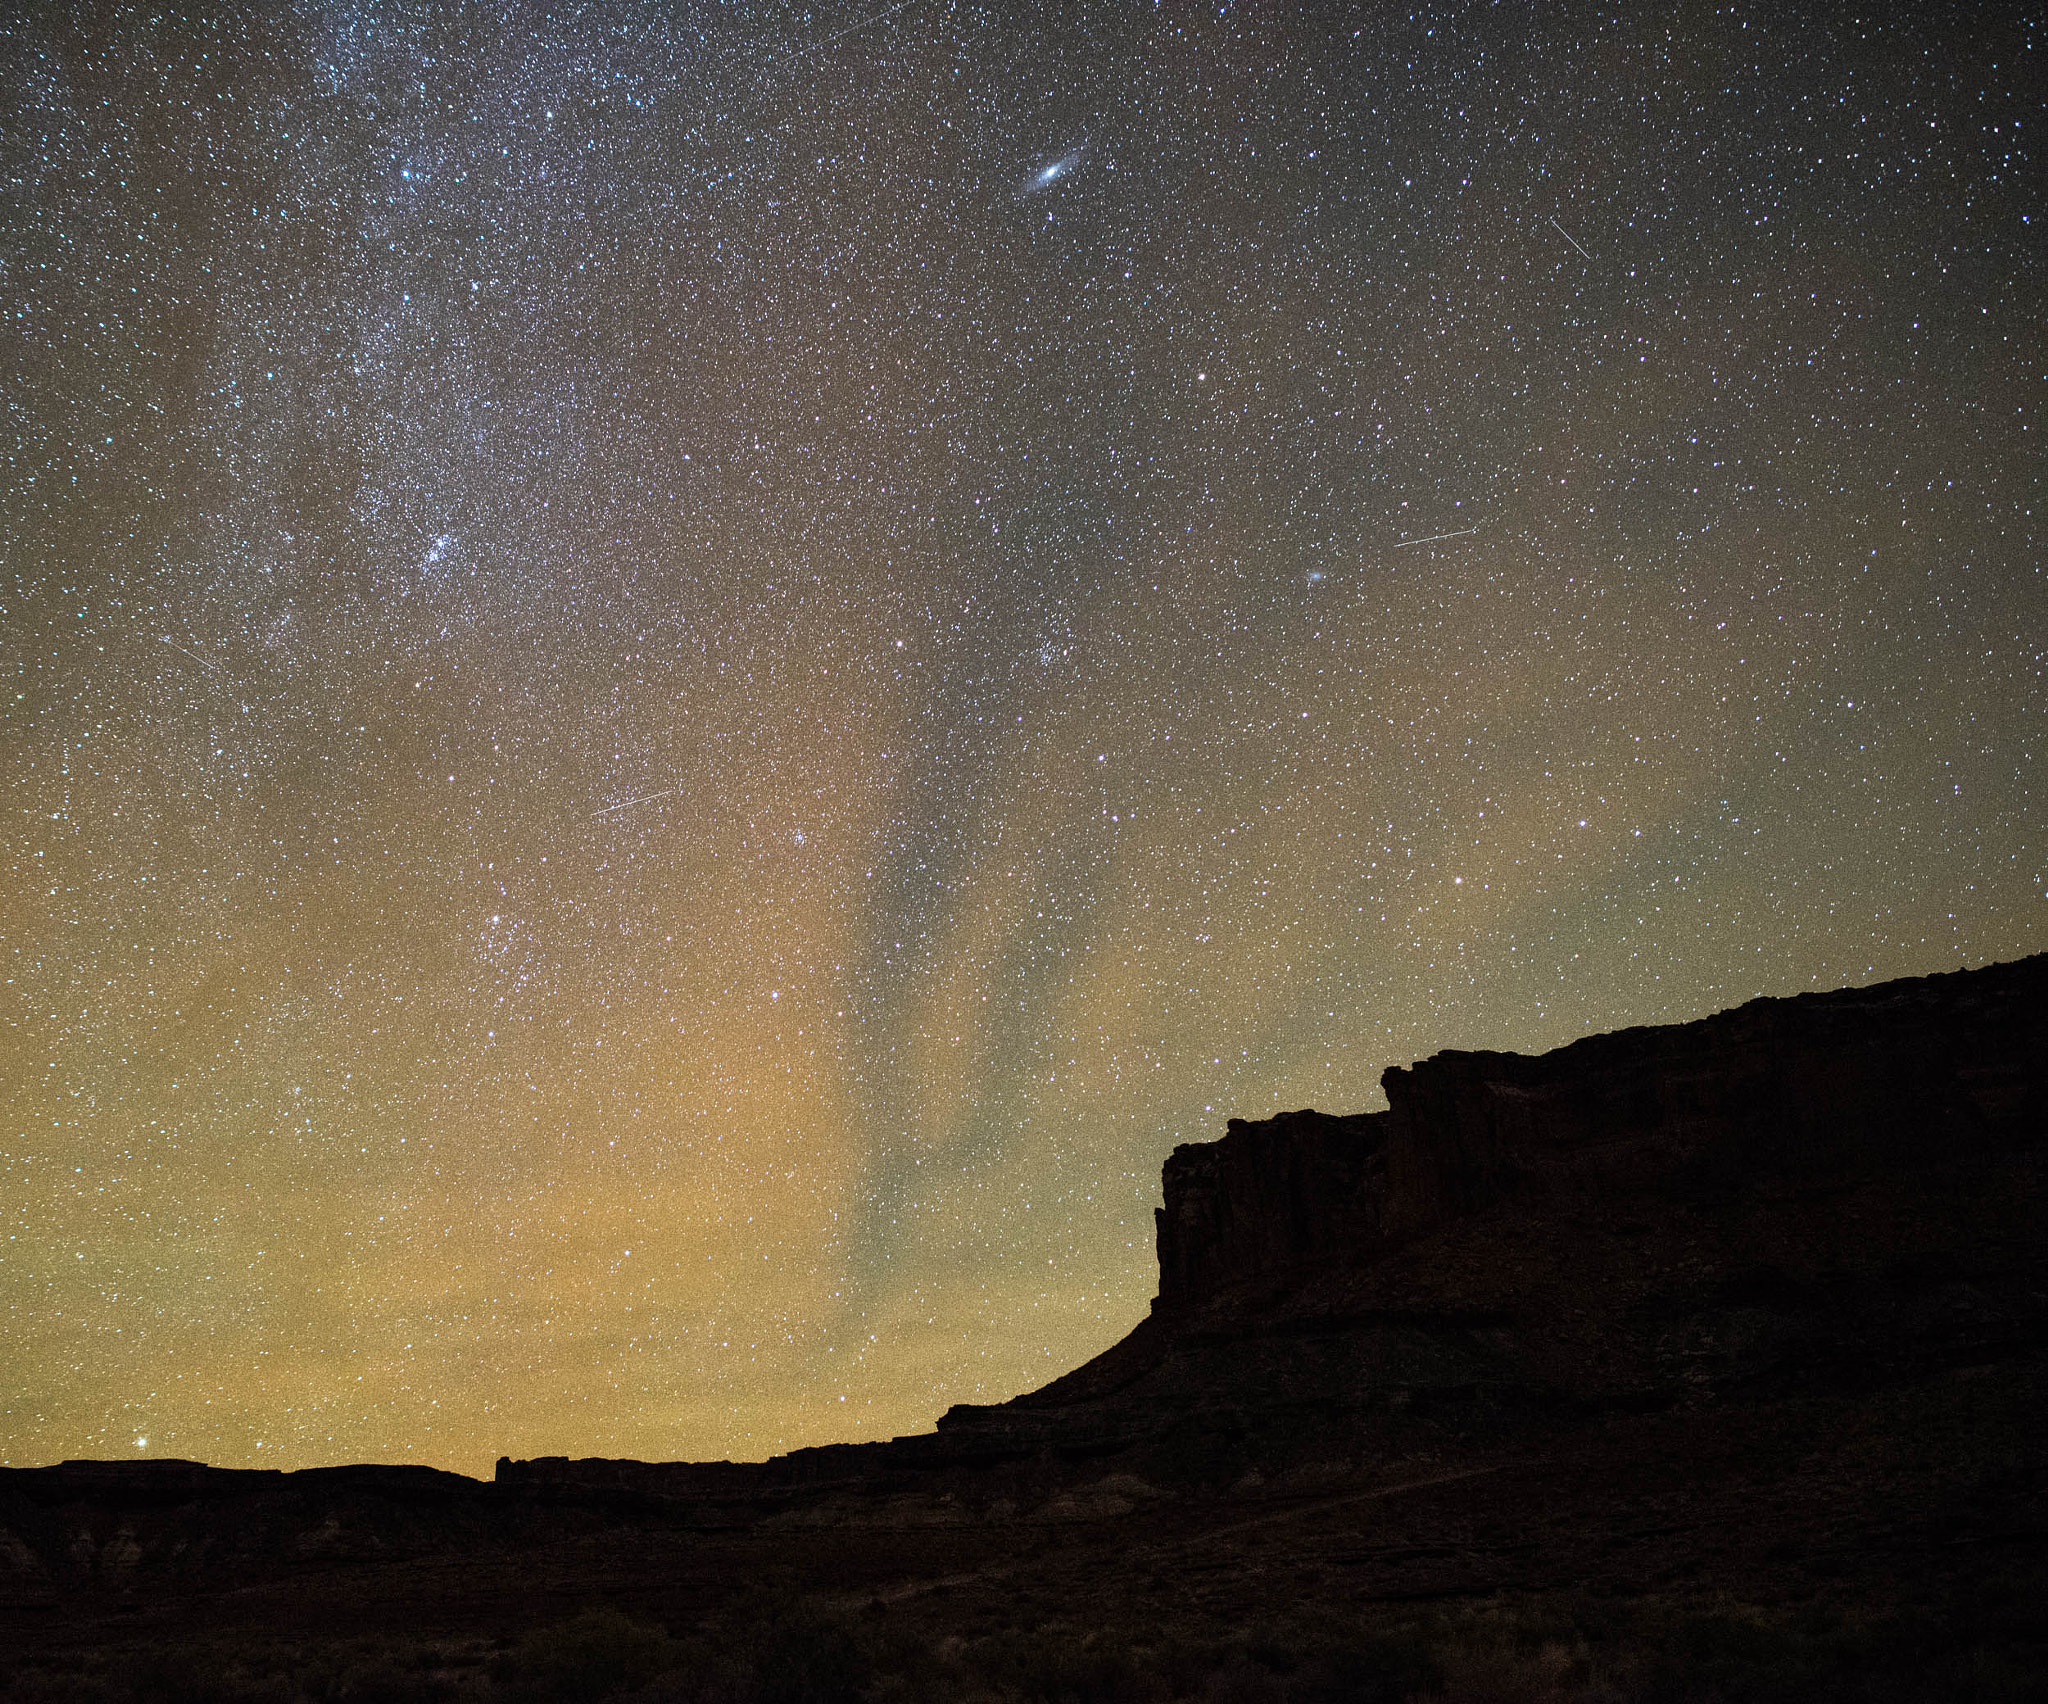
x=1858, y=1083
x=1832, y=1188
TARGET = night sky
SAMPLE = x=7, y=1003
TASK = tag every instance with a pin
x=678, y=683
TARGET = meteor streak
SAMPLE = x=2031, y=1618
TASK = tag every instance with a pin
x=1568, y=237
x=1410, y=543
x=841, y=35
x=214, y=668
x=628, y=804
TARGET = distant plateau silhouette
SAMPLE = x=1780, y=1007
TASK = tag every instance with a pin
x=1748, y=1311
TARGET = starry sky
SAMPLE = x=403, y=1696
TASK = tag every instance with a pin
x=677, y=683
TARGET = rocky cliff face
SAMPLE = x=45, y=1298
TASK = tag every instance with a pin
x=1795, y=1195
x=1268, y=1197
x=1861, y=1083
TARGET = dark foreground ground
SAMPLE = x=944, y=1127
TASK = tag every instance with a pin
x=1888, y=1546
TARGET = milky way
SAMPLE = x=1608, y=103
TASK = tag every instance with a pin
x=659, y=739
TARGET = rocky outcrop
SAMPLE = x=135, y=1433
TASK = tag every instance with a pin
x=1807, y=1193
x=1897, y=1078
x=1270, y=1196
x=1804, y=1189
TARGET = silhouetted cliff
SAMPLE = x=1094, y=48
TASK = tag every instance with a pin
x=1843, y=1085
x=1801, y=1193
x=1795, y=1217
x=1299, y=1187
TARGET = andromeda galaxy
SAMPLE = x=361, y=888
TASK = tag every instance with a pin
x=1054, y=171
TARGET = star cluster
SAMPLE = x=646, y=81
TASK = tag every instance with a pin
x=678, y=683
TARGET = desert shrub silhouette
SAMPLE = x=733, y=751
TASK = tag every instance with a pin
x=808, y=1656
x=599, y=1654
x=1065, y=1669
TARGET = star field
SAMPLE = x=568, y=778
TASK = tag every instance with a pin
x=678, y=683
